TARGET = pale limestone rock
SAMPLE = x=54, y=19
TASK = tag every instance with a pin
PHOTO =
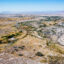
x=61, y=40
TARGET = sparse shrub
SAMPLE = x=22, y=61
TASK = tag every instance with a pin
x=20, y=31
x=1, y=42
x=8, y=36
x=22, y=47
x=39, y=54
x=16, y=49
x=48, y=43
x=17, y=34
x=44, y=36
x=55, y=47
x=56, y=60
x=20, y=54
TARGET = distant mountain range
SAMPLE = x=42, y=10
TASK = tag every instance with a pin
x=35, y=13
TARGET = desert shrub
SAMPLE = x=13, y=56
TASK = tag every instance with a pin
x=1, y=42
x=22, y=47
x=48, y=43
x=20, y=31
x=8, y=36
x=16, y=49
x=17, y=34
x=39, y=54
x=20, y=54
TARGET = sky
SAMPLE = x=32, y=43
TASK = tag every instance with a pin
x=31, y=5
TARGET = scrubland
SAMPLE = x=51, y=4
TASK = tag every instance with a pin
x=32, y=40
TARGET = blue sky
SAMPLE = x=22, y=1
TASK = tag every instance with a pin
x=31, y=5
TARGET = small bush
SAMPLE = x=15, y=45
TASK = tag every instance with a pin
x=16, y=49
x=39, y=54
x=8, y=36
x=20, y=54
x=22, y=47
x=1, y=42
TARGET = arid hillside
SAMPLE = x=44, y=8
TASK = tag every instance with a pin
x=32, y=40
